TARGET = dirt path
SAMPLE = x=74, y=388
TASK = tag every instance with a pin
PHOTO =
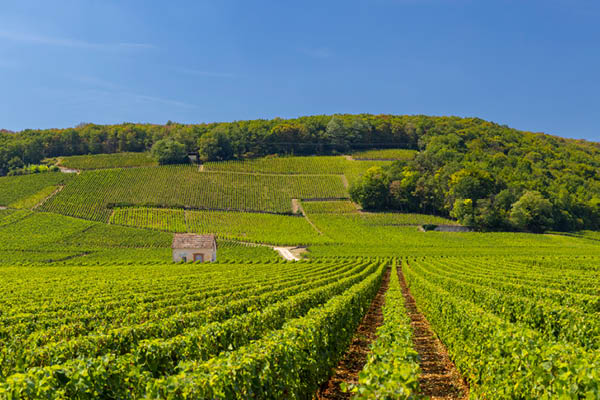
x=66, y=170
x=286, y=253
x=41, y=203
x=356, y=357
x=298, y=204
x=345, y=181
x=439, y=377
x=185, y=221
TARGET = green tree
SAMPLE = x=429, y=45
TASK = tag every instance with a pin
x=168, y=151
x=532, y=212
x=215, y=146
x=371, y=192
x=471, y=183
x=337, y=133
x=402, y=191
x=464, y=212
x=15, y=163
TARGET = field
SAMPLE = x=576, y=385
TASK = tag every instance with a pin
x=540, y=313
x=93, y=307
x=58, y=239
x=333, y=165
x=17, y=189
x=91, y=194
x=241, y=226
x=175, y=326
x=385, y=154
x=100, y=161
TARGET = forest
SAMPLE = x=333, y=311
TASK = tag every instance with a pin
x=486, y=175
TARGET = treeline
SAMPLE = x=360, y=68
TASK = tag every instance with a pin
x=321, y=134
x=491, y=177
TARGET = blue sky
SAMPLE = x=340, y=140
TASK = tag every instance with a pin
x=533, y=65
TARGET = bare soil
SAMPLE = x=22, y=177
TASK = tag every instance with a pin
x=440, y=379
x=299, y=251
x=296, y=206
x=356, y=357
x=345, y=181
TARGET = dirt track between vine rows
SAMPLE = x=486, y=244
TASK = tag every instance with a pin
x=440, y=379
x=356, y=357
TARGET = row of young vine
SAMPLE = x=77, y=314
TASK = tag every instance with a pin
x=515, y=330
x=92, y=194
x=232, y=225
x=182, y=331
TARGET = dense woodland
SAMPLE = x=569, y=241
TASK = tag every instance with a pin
x=486, y=175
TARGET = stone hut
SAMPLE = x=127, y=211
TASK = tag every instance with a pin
x=189, y=247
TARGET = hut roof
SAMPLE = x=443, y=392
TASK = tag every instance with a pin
x=192, y=241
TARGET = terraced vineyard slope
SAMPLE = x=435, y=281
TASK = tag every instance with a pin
x=91, y=194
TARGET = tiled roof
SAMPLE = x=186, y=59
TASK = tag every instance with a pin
x=192, y=241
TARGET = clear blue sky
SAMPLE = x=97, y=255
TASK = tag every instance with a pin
x=533, y=65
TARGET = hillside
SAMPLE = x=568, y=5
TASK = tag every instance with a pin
x=486, y=175
x=94, y=307
x=278, y=201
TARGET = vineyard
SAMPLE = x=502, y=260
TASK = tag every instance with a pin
x=55, y=238
x=241, y=226
x=16, y=189
x=93, y=307
x=515, y=328
x=180, y=331
x=102, y=161
x=392, y=368
x=329, y=207
x=211, y=332
x=164, y=219
x=91, y=194
x=360, y=239
x=385, y=154
x=322, y=165
x=259, y=228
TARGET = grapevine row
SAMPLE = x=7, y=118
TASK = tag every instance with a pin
x=91, y=194
x=503, y=359
x=392, y=369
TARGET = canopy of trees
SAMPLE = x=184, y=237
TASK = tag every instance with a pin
x=319, y=134
x=492, y=177
x=168, y=151
x=488, y=176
